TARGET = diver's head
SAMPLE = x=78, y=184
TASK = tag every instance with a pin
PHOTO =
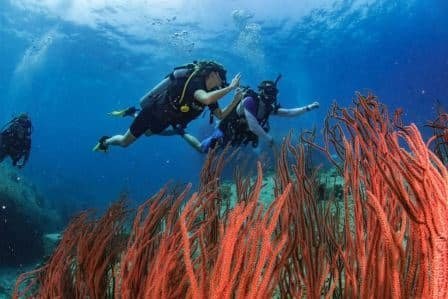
x=23, y=120
x=214, y=73
x=268, y=91
x=23, y=116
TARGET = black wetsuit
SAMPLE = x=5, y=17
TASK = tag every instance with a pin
x=15, y=141
x=162, y=112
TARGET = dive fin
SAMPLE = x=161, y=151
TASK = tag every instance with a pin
x=130, y=111
x=100, y=146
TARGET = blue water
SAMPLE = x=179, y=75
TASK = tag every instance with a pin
x=67, y=64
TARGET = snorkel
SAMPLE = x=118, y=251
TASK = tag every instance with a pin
x=277, y=79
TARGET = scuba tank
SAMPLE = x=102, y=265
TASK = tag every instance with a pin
x=162, y=88
x=156, y=93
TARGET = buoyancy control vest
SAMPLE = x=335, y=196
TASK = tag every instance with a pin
x=235, y=127
x=174, y=95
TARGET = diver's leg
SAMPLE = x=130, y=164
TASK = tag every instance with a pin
x=190, y=139
x=193, y=141
x=139, y=126
x=120, y=140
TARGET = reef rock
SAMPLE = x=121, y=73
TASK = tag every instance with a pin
x=23, y=219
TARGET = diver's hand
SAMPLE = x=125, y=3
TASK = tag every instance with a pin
x=312, y=106
x=235, y=81
x=238, y=95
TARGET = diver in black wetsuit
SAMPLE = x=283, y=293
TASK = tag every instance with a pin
x=15, y=140
x=177, y=100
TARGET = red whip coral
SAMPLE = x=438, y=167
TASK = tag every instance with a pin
x=387, y=238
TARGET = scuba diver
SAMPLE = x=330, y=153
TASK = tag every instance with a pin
x=15, y=140
x=177, y=100
x=249, y=121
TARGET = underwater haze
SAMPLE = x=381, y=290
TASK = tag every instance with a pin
x=68, y=63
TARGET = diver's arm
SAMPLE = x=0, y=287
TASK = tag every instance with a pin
x=21, y=159
x=296, y=111
x=24, y=159
x=211, y=97
x=222, y=113
x=255, y=127
x=16, y=160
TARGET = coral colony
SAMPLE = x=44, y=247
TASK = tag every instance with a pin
x=384, y=236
